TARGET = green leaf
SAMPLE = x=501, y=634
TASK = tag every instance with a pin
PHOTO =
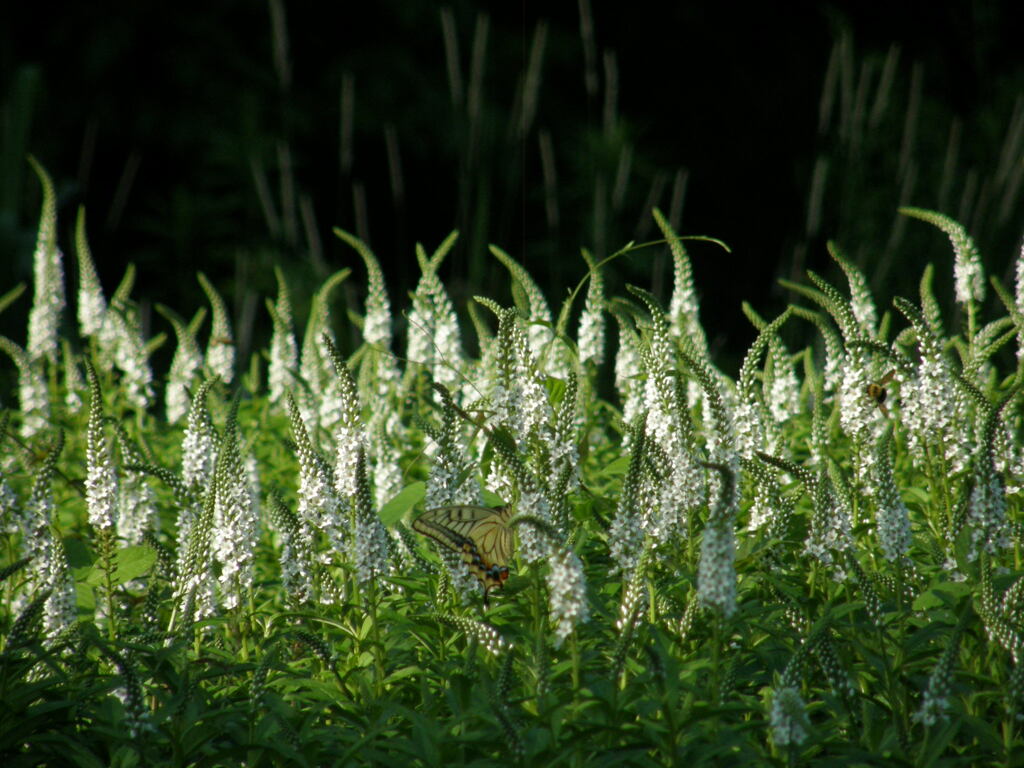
x=492, y=499
x=617, y=467
x=85, y=598
x=130, y=563
x=403, y=501
x=943, y=595
x=77, y=552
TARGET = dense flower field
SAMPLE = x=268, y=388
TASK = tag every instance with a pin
x=816, y=561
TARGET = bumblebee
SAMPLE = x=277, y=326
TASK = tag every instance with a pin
x=877, y=392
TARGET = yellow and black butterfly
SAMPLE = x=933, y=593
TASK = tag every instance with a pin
x=481, y=536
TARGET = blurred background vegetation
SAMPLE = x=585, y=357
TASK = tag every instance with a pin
x=230, y=135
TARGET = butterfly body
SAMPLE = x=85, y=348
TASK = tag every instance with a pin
x=479, y=535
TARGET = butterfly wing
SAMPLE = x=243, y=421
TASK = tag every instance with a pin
x=479, y=535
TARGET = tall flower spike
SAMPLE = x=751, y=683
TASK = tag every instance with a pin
x=434, y=336
x=195, y=591
x=831, y=524
x=92, y=305
x=534, y=546
x=48, y=570
x=370, y=540
x=106, y=341
x=186, y=364
x=377, y=321
x=891, y=514
x=933, y=406
x=782, y=389
x=684, y=307
x=74, y=384
x=751, y=413
x=129, y=349
x=298, y=568
x=590, y=337
x=567, y=593
x=935, y=698
x=670, y=429
x=719, y=427
x=626, y=536
x=101, y=477
x=137, y=511
x=235, y=524
x=450, y=478
x=789, y=721
x=859, y=417
x=199, y=445
x=349, y=436
x=386, y=474
x=968, y=274
x=33, y=398
x=284, y=352
x=716, y=573
x=627, y=371
x=220, y=352
x=986, y=508
x=60, y=610
x=1019, y=298
x=518, y=394
x=538, y=315
x=320, y=399
x=48, y=269
x=565, y=453
x=834, y=355
x=379, y=364
x=862, y=304
x=319, y=507
x=9, y=506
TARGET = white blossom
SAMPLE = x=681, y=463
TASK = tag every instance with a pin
x=788, y=717
x=235, y=525
x=567, y=593
x=48, y=300
x=101, y=490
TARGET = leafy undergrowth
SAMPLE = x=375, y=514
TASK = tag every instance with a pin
x=815, y=562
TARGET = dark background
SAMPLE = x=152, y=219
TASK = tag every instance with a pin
x=164, y=120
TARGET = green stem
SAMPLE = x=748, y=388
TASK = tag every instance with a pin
x=106, y=536
x=716, y=660
x=574, y=651
x=378, y=659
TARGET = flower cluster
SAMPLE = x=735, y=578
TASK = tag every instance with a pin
x=220, y=352
x=891, y=514
x=567, y=593
x=935, y=702
x=235, y=522
x=789, y=722
x=199, y=444
x=590, y=336
x=101, y=477
x=434, y=338
x=716, y=572
x=319, y=508
x=185, y=367
x=626, y=536
x=48, y=270
x=33, y=398
x=370, y=540
x=284, y=353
